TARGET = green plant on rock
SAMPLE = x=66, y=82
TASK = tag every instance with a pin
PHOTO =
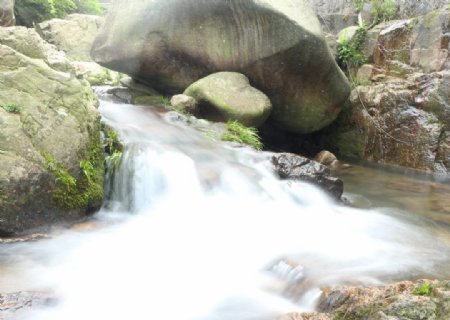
x=383, y=10
x=237, y=132
x=423, y=290
x=113, y=160
x=349, y=50
x=82, y=192
x=11, y=107
x=165, y=101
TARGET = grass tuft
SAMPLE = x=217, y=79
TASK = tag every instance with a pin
x=237, y=132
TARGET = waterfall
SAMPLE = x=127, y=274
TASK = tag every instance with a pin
x=195, y=229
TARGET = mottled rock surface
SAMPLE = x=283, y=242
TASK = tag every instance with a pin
x=171, y=44
x=295, y=167
x=227, y=96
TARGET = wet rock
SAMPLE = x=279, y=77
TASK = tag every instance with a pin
x=326, y=158
x=48, y=126
x=95, y=74
x=227, y=96
x=295, y=167
x=422, y=299
x=184, y=103
x=74, y=34
x=297, y=71
x=18, y=305
x=7, y=17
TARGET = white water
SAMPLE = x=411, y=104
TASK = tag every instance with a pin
x=197, y=230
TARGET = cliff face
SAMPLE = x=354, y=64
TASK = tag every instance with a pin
x=399, y=109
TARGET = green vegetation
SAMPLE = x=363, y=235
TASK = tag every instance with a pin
x=358, y=4
x=383, y=10
x=165, y=101
x=423, y=290
x=72, y=193
x=30, y=12
x=237, y=132
x=112, y=147
x=11, y=107
x=349, y=50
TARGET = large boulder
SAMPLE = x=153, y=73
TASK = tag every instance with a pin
x=7, y=17
x=51, y=161
x=74, y=34
x=228, y=96
x=278, y=45
x=28, y=42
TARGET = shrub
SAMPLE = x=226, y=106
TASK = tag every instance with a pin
x=88, y=7
x=237, y=132
x=349, y=52
x=383, y=10
x=423, y=290
x=11, y=107
x=30, y=12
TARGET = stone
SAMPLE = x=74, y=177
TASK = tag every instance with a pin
x=393, y=42
x=74, y=35
x=395, y=301
x=95, y=74
x=184, y=103
x=389, y=123
x=296, y=71
x=430, y=41
x=28, y=42
x=295, y=167
x=19, y=305
x=326, y=158
x=7, y=17
x=227, y=96
x=49, y=125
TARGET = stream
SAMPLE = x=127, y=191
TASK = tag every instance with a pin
x=198, y=229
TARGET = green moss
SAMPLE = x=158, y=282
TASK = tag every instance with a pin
x=349, y=51
x=239, y=133
x=87, y=190
x=423, y=290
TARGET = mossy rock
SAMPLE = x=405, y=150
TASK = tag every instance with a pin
x=227, y=96
x=58, y=120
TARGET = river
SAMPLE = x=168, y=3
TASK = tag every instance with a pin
x=197, y=229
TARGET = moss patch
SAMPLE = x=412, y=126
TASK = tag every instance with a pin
x=239, y=133
x=86, y=191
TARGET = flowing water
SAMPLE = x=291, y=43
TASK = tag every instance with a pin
x=196, y=229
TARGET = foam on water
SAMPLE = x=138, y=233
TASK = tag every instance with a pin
x=181, y=245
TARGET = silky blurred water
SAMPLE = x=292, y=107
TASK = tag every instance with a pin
x=196, y=229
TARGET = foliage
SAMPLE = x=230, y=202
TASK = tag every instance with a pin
x=349, y=52
x=358, y=4
x=165, y=101
x=423, y=290
x=237, y=132
x=72, y=193
x=113, y=160
x=383, y=10
x=11, y=107
x=88, y=7
x=30, y=12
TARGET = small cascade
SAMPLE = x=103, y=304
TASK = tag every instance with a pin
x=199, y=230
